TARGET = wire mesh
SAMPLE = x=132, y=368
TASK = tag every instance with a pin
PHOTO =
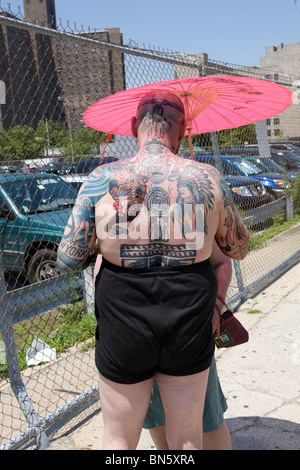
x=48, y=79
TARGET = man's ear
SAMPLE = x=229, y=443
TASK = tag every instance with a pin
x=182, y=130
x=134, y=126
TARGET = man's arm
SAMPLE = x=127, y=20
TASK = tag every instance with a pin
x=77, y=248
x=223, y=270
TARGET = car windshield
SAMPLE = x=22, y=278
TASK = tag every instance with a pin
x=293, y=156
x=246, y=167
x=40, y=194
x=288, y=162
x=266, y=164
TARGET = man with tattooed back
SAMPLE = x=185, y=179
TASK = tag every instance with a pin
x=154, y=218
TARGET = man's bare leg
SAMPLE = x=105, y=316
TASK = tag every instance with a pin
x=124, y=408
x=183, y=400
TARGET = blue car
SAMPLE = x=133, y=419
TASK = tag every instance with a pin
x=34, y=210
x=288, y=160
x=248, y=193
x=268, y=164
x=274, y=183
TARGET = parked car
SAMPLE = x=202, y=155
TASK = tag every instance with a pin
x=34, y=210
x=79, y=173
x=288, y=160
x=269, y=165
x=185, y=152
x=247, y=192
x=286, y=146
x=57, y=169
x=274, y=183
x=75, y=180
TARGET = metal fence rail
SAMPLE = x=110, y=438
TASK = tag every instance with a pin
x=48, y=77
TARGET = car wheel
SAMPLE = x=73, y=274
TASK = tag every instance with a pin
x=43, y=266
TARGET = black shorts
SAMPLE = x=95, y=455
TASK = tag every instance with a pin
x=156, y=319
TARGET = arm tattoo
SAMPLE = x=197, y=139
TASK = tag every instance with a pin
x=76, y=250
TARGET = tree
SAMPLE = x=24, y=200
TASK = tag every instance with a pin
x=55, y=134
x=20, y=144
x=23, y=142
x=84, y=142
x=226, y=138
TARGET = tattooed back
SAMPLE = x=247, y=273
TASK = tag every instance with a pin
x=158, y=209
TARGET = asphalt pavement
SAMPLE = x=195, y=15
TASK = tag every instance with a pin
x=260, y=379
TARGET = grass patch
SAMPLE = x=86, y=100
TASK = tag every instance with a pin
x=280, y=224
x=61, y=329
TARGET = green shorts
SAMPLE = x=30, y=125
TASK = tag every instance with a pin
x=214, y=408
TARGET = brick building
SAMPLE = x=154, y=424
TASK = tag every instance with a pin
x=51, y=74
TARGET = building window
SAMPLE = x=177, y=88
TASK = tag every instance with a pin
x=276, y=121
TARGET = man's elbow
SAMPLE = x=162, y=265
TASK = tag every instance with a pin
x=236, y=250
x=240, y=250
x=65, y=265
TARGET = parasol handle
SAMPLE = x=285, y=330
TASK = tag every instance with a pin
x=189, y=128
x=105, y=146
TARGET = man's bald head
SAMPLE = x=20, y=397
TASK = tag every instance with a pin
x=160, y=115
x=161, y=104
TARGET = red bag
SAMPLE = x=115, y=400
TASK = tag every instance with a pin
x=232, y=331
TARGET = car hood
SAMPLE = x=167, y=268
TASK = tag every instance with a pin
x=270, y=176
x=292, y=174
x=56, y=219
x=235, y=180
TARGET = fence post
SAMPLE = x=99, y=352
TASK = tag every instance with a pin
x=15, y=378
x=262, y=139
x=239, y=278
x=88, y=289
x=289, y=207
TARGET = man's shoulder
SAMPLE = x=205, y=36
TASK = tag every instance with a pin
x=201, y=167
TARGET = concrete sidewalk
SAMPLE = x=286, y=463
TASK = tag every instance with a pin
x=261, y=379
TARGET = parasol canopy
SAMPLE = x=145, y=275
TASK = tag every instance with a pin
x=212, y=103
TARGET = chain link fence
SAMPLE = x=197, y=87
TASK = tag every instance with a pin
x=48, y=77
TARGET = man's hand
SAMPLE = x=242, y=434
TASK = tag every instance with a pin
x=216, y=324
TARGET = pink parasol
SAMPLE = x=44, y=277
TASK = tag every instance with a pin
x=212, y=103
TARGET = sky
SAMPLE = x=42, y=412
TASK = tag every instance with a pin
x=232, y=31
